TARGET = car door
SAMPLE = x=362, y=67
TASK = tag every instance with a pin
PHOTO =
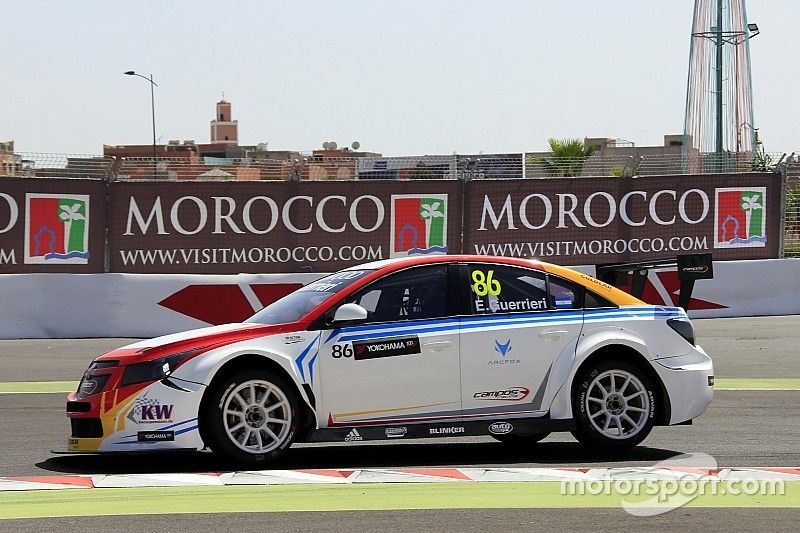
x=517, y=332
x=402, y=364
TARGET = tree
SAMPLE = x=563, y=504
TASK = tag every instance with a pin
x=567, y=157
x=422, y=172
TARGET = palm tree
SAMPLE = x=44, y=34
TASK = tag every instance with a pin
x=421, y=172
x=428, y=212
x=68, y=214
x=567, y=157
x=750, y=204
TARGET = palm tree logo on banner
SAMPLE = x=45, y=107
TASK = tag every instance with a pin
x=56, y=228
x=418, y=224
x=740, y=218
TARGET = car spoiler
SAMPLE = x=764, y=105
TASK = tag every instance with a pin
x=630, y=276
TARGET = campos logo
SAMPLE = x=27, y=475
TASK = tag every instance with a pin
x=418, y=224
x=56, y=228
x=740, y=219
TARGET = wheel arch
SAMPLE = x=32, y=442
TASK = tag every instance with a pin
x=254, y=361
x=628, y=354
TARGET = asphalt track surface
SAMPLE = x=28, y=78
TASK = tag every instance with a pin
x=741, y=428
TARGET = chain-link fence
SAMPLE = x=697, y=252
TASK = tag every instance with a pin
x=791, y=241
x=49, y=165
x=302, y=167
x=321, y=167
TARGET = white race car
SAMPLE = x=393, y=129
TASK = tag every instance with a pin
x=406, y=348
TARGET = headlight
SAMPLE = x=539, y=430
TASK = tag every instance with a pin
x=93, y=382
x=154, y=370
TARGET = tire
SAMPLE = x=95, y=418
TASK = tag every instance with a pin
x=614, y=405
x=521, y=440
x=258, y=435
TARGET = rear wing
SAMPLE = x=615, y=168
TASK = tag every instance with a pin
x=690, y=268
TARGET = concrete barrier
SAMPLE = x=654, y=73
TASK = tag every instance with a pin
x=146, y=305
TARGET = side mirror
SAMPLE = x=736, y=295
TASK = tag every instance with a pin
x=349, y=313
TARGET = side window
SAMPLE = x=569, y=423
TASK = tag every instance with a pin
x=564, y=294
x=502, y=289
x=593, y=301
x=413, y=294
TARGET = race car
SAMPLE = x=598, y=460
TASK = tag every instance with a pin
x=431, y=346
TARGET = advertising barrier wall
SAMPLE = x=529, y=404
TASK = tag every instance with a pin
x=197, y=227
x=146, y=305
x=605, y=220
x=221, y=228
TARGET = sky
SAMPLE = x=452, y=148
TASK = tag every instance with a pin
x=403, y=78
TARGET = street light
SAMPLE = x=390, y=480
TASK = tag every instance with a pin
x=153, y=109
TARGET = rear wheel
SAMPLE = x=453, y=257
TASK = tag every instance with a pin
x=251, y=417
x=614, y=405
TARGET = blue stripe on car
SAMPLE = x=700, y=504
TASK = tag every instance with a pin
x=371, y=331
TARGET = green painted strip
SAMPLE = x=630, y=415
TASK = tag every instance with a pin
x=37, y=387
x=757, y=383
x=356, y=497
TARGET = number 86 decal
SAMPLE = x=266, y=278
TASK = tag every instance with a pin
x=484, y=284
x=342, y=350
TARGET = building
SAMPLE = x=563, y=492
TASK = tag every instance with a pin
x=224, y=159
x=10, y=163
x=224, y=130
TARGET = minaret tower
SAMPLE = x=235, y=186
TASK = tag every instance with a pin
x=224, y=130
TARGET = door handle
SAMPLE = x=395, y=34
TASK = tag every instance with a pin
x=553, y=334
x=437, y=345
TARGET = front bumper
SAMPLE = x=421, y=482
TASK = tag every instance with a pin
x=158, y=416
x=689, y=383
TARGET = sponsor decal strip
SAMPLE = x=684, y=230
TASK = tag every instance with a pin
x=391, y=347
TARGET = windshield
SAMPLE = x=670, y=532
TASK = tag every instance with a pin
x=298, y=304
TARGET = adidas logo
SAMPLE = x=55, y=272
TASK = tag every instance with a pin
x=353, y=435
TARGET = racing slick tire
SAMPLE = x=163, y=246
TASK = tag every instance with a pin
x=614, y=405
x=521, y=440
x=251, y=417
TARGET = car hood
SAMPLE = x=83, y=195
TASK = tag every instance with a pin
x=196, y=340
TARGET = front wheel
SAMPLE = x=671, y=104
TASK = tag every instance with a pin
x=614, y=406
x=251, y=417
